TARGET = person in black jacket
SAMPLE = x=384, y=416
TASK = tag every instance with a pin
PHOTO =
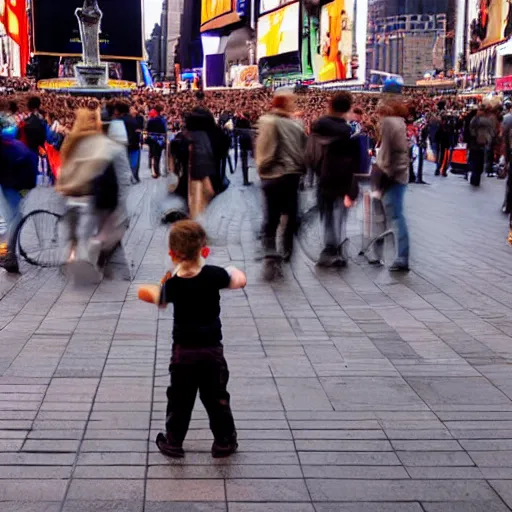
x=18, y=172
x=157, y=132
x=332, y=154
x=244, y=134
x=133, y=131
x=34, y=128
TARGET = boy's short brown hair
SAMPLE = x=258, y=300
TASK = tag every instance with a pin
x=186, y=239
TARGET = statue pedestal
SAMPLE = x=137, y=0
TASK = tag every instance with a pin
x=91, y=76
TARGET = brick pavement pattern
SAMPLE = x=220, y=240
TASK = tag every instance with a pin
x=353, y=390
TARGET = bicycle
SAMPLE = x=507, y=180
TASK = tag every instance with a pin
x=38, y=239
x=365, y=220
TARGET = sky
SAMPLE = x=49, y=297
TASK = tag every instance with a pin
x=152, y=12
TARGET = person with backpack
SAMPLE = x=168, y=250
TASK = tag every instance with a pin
x=481, y=135
x=157, y=132
x=133, y=131
x=18, y=173
x=333, y=155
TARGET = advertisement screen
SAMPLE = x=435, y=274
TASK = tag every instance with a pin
x=55, y=28
x=219, y=13
x=491, y=22
x=336, y=41
x=278, y=32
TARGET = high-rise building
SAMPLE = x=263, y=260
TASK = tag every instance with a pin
x=174, y=10
x=411, y=37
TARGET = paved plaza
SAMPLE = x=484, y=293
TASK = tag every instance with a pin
x=353, y=390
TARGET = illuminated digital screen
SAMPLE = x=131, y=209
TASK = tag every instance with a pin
x=56, y=32
x=336, y=40
x=219, y=13
x=278, y=31
x=490, y=22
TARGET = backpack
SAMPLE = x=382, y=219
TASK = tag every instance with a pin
x=106, y=189
x=34, y=132
x=18, y=165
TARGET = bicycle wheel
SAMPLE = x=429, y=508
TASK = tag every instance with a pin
x=39, y=242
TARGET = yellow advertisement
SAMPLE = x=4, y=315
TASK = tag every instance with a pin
x=278, y=32
x=217, y=13
x=492, y=23
x=337, y=39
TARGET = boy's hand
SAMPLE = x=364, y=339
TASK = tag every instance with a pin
x=238, y=278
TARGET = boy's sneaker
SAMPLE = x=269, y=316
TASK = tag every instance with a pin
x=220, y=450
x=169, y=449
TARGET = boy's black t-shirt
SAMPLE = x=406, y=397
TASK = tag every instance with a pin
x=196, y=303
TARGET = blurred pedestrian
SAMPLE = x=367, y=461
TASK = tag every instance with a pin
x=280, y=158
x=333, y=155
x=393, y=163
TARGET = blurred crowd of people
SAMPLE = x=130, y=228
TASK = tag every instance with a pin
x=194, y=132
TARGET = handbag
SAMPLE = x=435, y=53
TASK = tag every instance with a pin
x=106, y=190
x=379, y=179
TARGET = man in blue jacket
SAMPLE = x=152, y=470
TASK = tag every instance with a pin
x=18, y=173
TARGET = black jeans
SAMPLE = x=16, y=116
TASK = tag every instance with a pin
x=244, y=156
x=476, y=165
x=155, y=155
x=206, y=370
x=443, y=160
x=281, y=198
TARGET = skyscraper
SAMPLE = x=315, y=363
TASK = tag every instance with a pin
x=411, y=37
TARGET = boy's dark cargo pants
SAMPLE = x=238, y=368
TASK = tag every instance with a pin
x=206, y=370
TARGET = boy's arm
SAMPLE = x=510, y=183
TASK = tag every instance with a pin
x=238, y=278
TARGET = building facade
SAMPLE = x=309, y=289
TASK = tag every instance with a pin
x=174, y=12
x=411, y=37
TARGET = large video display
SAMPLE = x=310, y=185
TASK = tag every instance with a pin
x=278, y=32
x=491, y=22
x=55, y=28
x=336, y=40
x=219, y=13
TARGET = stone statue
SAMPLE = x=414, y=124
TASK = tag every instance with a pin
x=90, y=72
x=89, y=19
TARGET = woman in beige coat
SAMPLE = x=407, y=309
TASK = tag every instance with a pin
x=87, y=156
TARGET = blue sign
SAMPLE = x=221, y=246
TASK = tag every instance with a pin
x=242, y=7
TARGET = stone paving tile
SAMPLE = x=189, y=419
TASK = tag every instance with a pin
x=400, y=490
x=152, y=506
x=21, y=506
x=200, y=490
x=103, y=506
x=485, y=506
x=368, y=507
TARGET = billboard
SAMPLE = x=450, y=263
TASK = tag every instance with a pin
x=278, y=32
x=219, y=13
x=490, y=23
x=336, y=40
x=55, y=28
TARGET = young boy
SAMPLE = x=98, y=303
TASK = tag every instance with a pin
x=197, y=361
